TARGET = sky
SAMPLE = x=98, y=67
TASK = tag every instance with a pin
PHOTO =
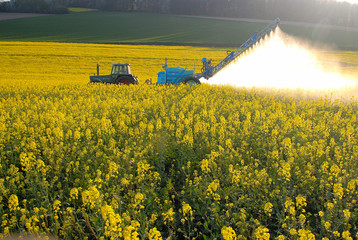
x=349, y=1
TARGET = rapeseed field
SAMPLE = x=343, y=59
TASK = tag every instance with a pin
x=82, y=161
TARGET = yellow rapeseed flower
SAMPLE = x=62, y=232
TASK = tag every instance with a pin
x=130, y=233
x=212, y=188
x=205, y=166
x=228, y=233
x=330, y=206
x=154, y=234
x=347, y=214
x=268, y=208
x=168, y=216
x=13, y=203
x=281, y=237
x=285, y=170
x=293, y=232
x=305, y=234
x=262, y=233
x=187, y=211
x=327, y=225
x=74, y=193
x=91, y=197
x=338, y=190
x=26, y=161
x=336, y=234
x=138, y=198
x=346, y=235
x=300, y=201
x=56, y=206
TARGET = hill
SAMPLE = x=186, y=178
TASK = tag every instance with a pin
x=145, y=28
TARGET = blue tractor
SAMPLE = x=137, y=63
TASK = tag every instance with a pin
x=176, y=75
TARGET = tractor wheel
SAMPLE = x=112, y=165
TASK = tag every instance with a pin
x=191, y=81
x=124, y=81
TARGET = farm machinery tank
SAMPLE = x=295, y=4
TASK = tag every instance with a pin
x=175, y=75
x=181, y=75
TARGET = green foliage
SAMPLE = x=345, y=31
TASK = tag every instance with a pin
x=116, y=27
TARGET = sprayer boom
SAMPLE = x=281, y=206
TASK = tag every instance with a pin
x=209, y=71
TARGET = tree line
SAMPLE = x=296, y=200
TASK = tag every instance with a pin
x=34, y=6
x=315, y=11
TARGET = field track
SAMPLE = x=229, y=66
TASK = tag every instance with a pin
x=7, y=16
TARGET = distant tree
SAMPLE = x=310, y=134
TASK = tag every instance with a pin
x=3, y=7
x=38, y=6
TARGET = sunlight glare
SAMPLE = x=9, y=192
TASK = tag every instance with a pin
x=348, y=1
x=280, y=61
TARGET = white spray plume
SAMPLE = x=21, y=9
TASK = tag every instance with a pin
x=282, y=62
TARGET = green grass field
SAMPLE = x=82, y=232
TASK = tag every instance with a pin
x=142, y=28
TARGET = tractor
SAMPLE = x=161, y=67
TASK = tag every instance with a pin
x=120, y=74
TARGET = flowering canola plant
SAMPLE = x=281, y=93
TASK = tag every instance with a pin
x=83, y=161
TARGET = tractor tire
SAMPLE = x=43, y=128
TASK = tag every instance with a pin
x=191, y=81
x=124, y=80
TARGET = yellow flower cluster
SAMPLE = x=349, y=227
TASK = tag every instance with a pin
x=262, y=233
x=187, y=211
x=168, y=216
x=212, y=190
x=13, y=203
x=113, y=222
x=91, y=197
x=74, y=193
x=228, y=233
x=130, y=232
x=154, y=234
x=268, y=208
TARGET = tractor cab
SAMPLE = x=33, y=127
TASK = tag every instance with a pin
x=121, y=68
